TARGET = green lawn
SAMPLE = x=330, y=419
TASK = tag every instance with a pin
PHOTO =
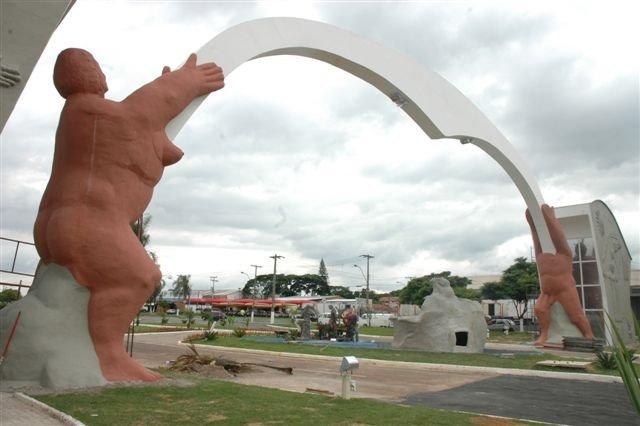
x=498, y=336
x=376, y=331
x=212, y=401
x=484, y=360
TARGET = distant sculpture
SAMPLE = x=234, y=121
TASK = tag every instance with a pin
x=333, y=322
x=307, y=313
x=108, y=158
x=350, y=321
x=556, y=279
x=445, y=323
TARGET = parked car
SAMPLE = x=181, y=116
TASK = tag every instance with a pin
x=216, y=314
x=501, y=324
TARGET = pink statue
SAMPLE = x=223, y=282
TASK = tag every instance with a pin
x=556, y=279
x=108, y=158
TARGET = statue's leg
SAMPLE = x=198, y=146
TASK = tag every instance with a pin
x=543, y=312
x=121, y=277
x=570, y=301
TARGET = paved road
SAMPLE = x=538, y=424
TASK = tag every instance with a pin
x=573, y=402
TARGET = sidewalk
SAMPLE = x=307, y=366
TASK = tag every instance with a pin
x=16, y=412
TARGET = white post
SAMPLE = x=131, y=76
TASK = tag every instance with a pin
x=521, y=325
x=346, y=385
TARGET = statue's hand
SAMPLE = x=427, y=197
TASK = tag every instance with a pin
x=206, y=77
x=555, y=268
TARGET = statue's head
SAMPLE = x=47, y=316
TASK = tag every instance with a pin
x=77, y=72
x=442, y=286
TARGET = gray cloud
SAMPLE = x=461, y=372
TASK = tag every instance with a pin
x=578, y=133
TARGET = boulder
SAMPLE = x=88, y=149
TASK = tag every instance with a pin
x=445, y=323
x=51, y=346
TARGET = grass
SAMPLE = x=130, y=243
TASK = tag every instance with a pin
x=482, y=360
x=152, y=329
x=498, y=336
x=376, y=331
x=213, y=401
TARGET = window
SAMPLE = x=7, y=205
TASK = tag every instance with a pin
x=585, y=272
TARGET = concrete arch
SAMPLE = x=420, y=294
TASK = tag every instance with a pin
x=432, y=102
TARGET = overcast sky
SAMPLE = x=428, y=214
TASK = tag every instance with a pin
x=298, y=158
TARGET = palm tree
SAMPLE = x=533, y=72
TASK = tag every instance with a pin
x=144, y=238
x=181, y=287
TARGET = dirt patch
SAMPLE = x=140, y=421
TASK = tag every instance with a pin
x=216, y=418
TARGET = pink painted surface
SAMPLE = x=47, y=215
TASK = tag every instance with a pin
x=557, y=283
x=108, y=158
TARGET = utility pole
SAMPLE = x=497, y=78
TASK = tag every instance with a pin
x=255, y=287
x=275, y=258
x=368, y=257
x=213, y=279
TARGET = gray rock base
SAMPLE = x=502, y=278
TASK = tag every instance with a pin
x=51, y=347
x=445, y=324
x=561, y=325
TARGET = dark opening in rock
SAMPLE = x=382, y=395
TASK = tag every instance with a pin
x=462, y=337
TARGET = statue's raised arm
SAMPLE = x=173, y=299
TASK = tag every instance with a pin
x=166, y=96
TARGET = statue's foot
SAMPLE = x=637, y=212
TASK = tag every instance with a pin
x=540, y=342
x=126, y=369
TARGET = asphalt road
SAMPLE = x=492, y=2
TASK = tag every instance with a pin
x=573, y=402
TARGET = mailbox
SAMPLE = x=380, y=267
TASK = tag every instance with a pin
x=349, y=363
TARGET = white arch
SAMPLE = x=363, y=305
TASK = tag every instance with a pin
x=430, y=100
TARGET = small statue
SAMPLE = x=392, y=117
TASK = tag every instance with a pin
x=350, y=320
x=108, y=158
x=307, y=313
x=333, y=322
x=556, y=279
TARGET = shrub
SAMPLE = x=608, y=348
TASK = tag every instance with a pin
x=624, y=362
x=239, y=332
x=294, y=334
x=605, y=360
x=164, y=320
x=210, y=335
x=184, y=321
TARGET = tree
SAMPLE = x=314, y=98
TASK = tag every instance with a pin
x=311, y=284
x=145, y=238
x=322, y=271
x=418, y=288
x=286, y=285
x=341, y=291
x=181, y=287
x=362, y=294
x=7, y=296
x=518, y=281
x=467, y=293
x=260, y=286
x=493, y=291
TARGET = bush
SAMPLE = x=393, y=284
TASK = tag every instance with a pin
x=210, y=335
x=606, y=361
x=239, y=332
x=8, y=296
x=294, y=334
x=164, y=320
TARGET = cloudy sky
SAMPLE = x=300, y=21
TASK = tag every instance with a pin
x=298, y=158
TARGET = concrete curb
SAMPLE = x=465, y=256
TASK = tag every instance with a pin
x=50, y=411
x=435, y=367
